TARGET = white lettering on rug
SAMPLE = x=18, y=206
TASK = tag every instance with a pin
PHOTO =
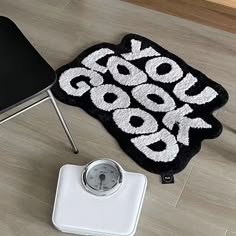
x=137, y=53
x=141, y=93
x=205, y=96
x=122, y=99
x=134, y=76
x=168, y=154
x=147, y=102
x=178, y=116
x=122, y=118
x=169, y=74
x=91, y=60
x=80, y=87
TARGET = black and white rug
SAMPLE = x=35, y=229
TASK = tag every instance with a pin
x=157, y=107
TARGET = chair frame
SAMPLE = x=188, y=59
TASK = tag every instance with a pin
x=59, y=114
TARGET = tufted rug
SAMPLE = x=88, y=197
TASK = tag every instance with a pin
x=157, y=107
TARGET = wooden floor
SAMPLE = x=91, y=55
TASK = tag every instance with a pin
x=33, y=146
x=220, y=14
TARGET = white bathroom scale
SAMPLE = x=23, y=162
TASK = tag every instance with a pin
x=100, y=198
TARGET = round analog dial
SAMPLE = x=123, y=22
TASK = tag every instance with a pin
x=102, y=177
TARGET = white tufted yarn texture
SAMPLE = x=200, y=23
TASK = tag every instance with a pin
x=157, y=107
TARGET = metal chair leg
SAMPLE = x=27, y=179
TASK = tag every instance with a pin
x=75, y=149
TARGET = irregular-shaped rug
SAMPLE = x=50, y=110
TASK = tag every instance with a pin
x=157, y=107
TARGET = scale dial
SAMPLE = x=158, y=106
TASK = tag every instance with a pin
x=102, y=177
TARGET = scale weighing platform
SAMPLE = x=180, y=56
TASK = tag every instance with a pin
x=100, y=199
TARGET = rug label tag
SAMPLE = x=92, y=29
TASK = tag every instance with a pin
x=167, y=177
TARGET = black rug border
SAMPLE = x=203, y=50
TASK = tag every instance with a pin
x=177, y=164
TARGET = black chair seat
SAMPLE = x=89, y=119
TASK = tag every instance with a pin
x=23, y=72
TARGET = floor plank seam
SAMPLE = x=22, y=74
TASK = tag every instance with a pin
x=183, y=187
x=66, y=5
